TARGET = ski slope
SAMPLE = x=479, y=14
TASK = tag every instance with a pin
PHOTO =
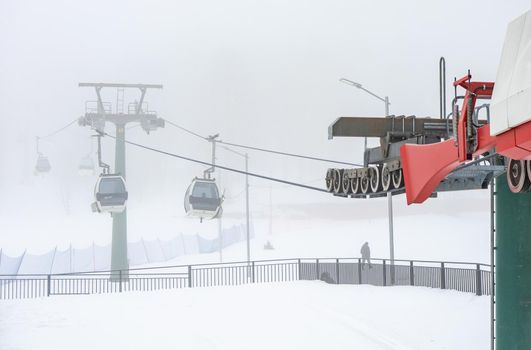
x=292, y=315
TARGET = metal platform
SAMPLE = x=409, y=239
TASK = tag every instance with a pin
x=476, y=177
x=403, y=126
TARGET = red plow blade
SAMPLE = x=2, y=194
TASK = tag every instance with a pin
x=425, y=166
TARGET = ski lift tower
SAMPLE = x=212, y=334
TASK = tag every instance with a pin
x=97, y=114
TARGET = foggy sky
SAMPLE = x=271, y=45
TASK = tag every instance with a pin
x=263, y=73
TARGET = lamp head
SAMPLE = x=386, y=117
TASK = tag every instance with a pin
x=350, y=82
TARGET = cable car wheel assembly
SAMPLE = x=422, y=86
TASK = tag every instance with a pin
x=519, y=175
x=373, y=181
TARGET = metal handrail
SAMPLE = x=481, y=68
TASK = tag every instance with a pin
x=467, y=277
x=294, y=260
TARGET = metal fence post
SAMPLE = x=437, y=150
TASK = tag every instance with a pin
x=53, y=259
x=337, y=271
x=478, y=280
x=317, y=268
x=49, y=285
x=384, y=273
x=443, y=277
x=252, y=272
x=359, y=271
x=299, y=268
x=120, y=274
x=189, y=276
x=411, y=274
x=20, y=263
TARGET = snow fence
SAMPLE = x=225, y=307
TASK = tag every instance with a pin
x=98, y=258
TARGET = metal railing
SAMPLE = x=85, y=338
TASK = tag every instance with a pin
x=464, y=277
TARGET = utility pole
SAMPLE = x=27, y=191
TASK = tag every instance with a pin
x=247, y=213
x=385, y=100
x=390, y=216
x=391, y=236
x=220, y=217
x=97, y=114
x=270, y=210
x=247, y=208
x=220, y=239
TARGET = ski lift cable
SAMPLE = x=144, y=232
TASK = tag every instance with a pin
x=288, y=154
x=283, y=186
x=218, y=166
x=185, y=130
x=58, y=130
x=264, y=149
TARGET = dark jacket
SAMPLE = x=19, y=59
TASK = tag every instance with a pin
x=365, y=251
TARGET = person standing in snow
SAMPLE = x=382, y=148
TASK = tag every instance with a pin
x=365, y=255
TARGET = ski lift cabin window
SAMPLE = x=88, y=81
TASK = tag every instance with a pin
x=205, y=190
x=112, y=185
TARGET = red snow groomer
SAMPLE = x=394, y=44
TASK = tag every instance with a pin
x=461, y=151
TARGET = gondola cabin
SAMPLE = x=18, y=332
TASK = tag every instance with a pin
x=110, y=194
x=202, y=199
x=43, y=165
x=86, y=166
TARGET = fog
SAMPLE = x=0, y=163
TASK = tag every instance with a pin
x=258, y=73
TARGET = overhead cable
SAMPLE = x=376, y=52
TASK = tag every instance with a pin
x=219, y=166
x=58, y=130
x=263, y=149
x=185, y=130
x=287, y=154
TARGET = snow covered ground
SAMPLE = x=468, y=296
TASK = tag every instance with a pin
x=299, y=315
x=294, y=315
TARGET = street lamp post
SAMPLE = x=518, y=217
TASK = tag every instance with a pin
x=385, y=100
x=248, y=234
x=247, y=216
